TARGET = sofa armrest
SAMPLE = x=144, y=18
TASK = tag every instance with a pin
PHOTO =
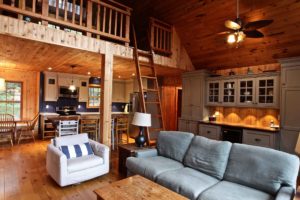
x=285, y=193
x=146, y=153
x=56, y=164
x=100, y=150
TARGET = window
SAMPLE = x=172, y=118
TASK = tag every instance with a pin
x=11, y=99
x=94, y=97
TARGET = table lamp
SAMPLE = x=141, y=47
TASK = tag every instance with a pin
x=142, y=120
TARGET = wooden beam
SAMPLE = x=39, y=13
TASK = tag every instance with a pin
x=106, y=96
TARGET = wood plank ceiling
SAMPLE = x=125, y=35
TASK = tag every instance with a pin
x=27, y=55
x=198, y=23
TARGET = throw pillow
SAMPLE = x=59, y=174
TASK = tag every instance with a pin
x=77, y=150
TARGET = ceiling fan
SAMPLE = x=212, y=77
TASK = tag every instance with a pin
x=240, y=30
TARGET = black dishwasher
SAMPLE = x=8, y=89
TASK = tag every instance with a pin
x=232, y=134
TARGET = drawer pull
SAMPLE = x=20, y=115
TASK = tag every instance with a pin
x=208, y=132
x=257, y=140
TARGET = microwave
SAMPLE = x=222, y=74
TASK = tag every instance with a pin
x=66, y=93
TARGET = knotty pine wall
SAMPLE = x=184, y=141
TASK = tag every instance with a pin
x=249, y=116
x=30, y=90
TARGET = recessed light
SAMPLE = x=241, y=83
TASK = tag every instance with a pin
x=98, y=77
x=133, y=74
x=119, y=76
x=49, y=68
x=89, y=73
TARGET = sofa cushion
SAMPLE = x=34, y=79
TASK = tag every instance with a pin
x=186, y=181
x=82, y=163
x=231, y=191
x=261, y=168
x=70, y=140
x=77, y=150
x=151, y=167
x=173, y=144
x=208, y=156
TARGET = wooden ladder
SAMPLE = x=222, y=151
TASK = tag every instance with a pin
x=150, y=96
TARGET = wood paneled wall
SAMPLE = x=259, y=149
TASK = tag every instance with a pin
x=249, y=116
x=30, y=81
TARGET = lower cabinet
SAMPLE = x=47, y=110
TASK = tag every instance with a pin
x=261, y=138
x=188, y=126
x=210, y=131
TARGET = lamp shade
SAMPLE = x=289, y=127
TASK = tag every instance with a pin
x=141, y=119
x=2, y=84
x=297, y=148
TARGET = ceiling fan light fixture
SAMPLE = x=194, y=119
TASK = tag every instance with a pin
x=231, y=38
x=240, y=36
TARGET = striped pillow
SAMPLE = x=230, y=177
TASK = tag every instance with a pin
x=77, y=150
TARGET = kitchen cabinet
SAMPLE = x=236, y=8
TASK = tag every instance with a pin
x=188, y=126
x=50, y=87
x=289, y=105
x=193, y=96
x=83, y=90
x=128, y=90
x=260, y=90
x=118, y=91
x=260, y=138
x=210, y=131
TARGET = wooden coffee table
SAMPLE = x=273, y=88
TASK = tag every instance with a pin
x=136, y=187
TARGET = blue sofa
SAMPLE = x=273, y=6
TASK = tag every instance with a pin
x=204, y=169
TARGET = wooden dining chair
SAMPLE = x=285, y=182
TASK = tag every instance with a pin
x=90, y=126
x=7, y=127
x=28, y=130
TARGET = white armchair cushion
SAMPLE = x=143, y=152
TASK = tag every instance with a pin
x=77, y=150
x=71, y=139
x=82, y=163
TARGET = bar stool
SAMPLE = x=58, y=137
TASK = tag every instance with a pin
x=90, y=126
x=113, y=134
x=122, y=126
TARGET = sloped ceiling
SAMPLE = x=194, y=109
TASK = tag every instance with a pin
x=198, y=23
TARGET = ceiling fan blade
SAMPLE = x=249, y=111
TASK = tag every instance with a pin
x=253, y=34
x=224, y=33
x=258, y=24
x=232, y=25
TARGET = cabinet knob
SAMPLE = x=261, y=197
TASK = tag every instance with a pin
x=208, y=132
x=257, y=140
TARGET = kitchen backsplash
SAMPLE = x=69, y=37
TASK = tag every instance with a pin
x=81, y=106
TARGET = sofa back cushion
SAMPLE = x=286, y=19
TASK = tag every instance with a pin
x=70, y=140
x=173, y=144
x=208, y=156
x=261, y=168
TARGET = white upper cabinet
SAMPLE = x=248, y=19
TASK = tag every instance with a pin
x=250, y=91
x=246, y=92
x=214, y=92
x=83, y=90
x=50, y=87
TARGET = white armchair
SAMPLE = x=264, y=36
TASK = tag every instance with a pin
x=70, y=171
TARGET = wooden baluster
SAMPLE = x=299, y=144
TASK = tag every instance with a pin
x=33, y=5
x=57, y=9
x=21, y=6
x=163, y=38
x=81, y=12
x=157, y=38
x=98, y=20
x=66, y=10
x=45, y=11
x=116, y=22
x=121, y=24
x=152, y=39
x=109, y=24
x=127, y=28
x=73, y=11
x=12, y=3
x=104, y=19
x=89, y=11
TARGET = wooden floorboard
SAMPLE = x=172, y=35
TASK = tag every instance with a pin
x=23, y=176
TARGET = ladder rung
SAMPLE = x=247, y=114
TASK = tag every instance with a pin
x=144, y=53
x=146, y=65
x=149, y=77
x=152, y=102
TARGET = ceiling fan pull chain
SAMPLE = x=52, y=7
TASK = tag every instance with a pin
x=237, y=9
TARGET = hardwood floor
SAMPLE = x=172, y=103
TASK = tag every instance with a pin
x=23, y=176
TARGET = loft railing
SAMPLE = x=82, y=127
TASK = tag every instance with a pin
x=95, y=18
x=161, y=36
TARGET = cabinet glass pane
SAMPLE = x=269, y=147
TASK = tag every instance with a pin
x=266, y=91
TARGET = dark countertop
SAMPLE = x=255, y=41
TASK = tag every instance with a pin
x=244, y=126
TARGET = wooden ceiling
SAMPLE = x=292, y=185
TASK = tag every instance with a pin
x=198, y=23
x=27, y=55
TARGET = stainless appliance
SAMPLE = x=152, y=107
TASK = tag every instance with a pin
x=232, y=134
x=66, y=110
x=66, y=93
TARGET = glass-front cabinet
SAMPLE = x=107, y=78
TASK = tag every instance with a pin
x=267, y=91
x=246, y=91
x=213, y=97
x=229, y=92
